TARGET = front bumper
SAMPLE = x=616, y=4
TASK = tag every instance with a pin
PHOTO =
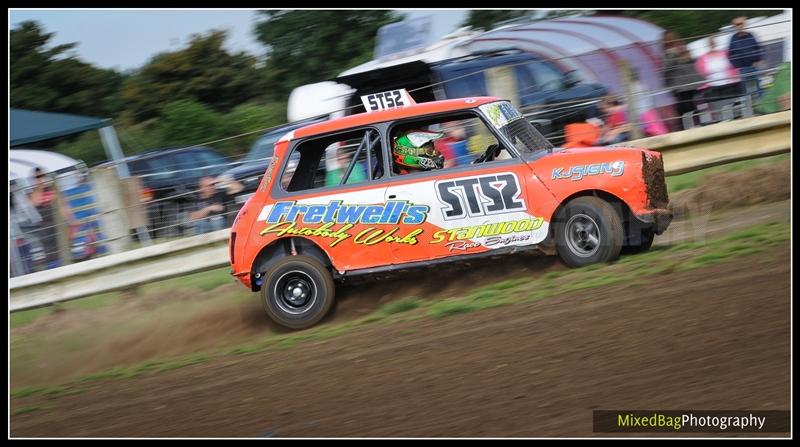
x=658, y=219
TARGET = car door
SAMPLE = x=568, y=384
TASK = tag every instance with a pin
x=468, y=209
x=331, y=192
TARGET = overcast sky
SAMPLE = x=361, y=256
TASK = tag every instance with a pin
x=125, y=40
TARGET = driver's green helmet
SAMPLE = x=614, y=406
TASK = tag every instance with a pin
x=415, y=150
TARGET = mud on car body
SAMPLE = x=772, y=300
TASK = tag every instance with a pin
x=333, y=202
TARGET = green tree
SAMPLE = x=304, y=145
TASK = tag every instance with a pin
x=86, y=146
x=186, y=122
x=488, y=19
x=203, y=71
x=248, y=118
x=311, y=46
x=48, y=78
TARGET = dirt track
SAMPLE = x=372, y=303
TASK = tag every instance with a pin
x=714, y=338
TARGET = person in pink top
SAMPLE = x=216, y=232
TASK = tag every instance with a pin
x=722, y=78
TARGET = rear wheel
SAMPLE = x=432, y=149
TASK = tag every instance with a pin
x=588, y=230
x=298, y=292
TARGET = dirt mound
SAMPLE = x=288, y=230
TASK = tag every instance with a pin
x=757, y=185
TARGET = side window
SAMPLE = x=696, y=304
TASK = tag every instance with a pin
x=546, y=76
x=464, y=85
x=139, y=167
x=526, y=84
x=263, y=148
x=214, y=164
x=161, y=167
x=345, y=158
x=443, y=143
x=186, y=165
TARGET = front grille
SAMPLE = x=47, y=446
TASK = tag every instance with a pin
x=655, y=184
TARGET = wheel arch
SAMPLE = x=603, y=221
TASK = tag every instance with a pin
x=631, y=224
x=620, y=206
x=282, y=247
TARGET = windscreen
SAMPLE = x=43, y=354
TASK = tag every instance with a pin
x=510, y=122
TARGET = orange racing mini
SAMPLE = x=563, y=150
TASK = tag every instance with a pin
x=409, y=185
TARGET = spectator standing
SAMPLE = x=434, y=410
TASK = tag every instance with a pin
x=746, y=55
x=648, y=118
x=679, y=73
x=22, y=217
x=42, y=197
x=722, y=78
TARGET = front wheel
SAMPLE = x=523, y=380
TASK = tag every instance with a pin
x=588, y=230
x=298, y=292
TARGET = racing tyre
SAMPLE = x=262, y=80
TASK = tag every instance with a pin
x=588, y=230
x=298, y=292
x=642, y=245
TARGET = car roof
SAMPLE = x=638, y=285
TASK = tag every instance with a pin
x=419, y=109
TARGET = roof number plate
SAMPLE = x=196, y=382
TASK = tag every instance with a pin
x=386, y=100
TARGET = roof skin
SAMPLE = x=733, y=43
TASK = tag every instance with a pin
x=419, y=109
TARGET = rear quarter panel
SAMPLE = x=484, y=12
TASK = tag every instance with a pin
x=617, y=171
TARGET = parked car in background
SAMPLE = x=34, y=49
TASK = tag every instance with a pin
x=169, y=180
x=251, y=168
x=550, y=95
x=539, y=83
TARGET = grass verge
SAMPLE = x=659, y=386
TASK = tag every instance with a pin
x=693, y=179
